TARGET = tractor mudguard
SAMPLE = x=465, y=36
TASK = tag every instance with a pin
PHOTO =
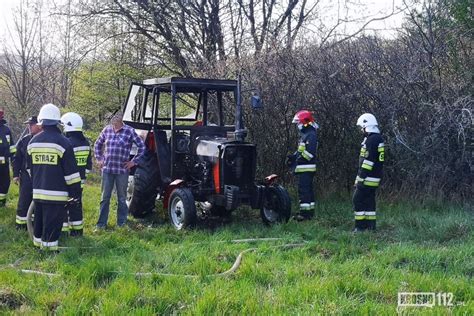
x=269, y=180
x=173, y=185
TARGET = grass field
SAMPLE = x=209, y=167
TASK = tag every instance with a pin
x=417, y=248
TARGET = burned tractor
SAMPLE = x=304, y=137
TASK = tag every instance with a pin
x=194, y=162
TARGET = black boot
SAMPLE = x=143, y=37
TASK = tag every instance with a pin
x=360, y=225
x=304, y=216
x=21, y=227
x=76, y=233
x=371, y=224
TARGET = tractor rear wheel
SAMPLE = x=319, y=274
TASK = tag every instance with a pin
x=182, y=208
x=142, y=190
x=277, y=205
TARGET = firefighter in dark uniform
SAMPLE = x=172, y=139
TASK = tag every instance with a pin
x=55, y=177
x=303, y=161
x=73, y=124
x=21, y=176
x=7, y=150
x=372, y=155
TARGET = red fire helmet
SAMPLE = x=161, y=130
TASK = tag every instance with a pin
x=303, y=117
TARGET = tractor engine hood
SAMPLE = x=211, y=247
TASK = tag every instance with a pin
x=213, y=147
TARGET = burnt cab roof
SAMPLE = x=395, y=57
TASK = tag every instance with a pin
x=191, y=84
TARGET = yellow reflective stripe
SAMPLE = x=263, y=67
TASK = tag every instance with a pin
x=76, y=225
x=37, y=242
x=81, y=153
x=305, y=168
x=72, y=178
x=72, y=181
x=45, y=150
x=371, y=184
x=12, y=149
x=50, y=197
x=2, y=161
x=20, y=220
x=370, y=215
x=307, y=155
x=48, y=146
x=366, y=166
x=359, y=215
x=53, y=245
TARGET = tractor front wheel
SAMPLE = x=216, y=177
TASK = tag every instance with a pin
x=277, y=205
x=182, y=208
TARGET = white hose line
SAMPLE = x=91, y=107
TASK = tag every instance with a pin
x=230, y=271
x=29, y=219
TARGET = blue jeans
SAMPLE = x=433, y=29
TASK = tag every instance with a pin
x=121, y=183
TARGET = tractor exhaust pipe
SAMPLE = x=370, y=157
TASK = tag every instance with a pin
x=240, y=131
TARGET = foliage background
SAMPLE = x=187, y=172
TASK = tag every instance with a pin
x=418, y=84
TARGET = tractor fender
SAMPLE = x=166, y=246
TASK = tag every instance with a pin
x=173, y=185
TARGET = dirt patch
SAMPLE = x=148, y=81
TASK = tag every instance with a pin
x=10, y=300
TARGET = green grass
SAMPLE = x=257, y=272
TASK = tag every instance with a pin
x=417, y=248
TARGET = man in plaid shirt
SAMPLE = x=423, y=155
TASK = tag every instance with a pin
x=112, y=153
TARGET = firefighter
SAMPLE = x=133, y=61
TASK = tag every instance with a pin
x=55, y=177
x=371, y=160
x=21, y=176
x=73, y=124
x=7, y=150
x=303, y=161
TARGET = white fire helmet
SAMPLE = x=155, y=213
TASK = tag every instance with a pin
x=368, y=123
x=49, y=114
x=72, y=122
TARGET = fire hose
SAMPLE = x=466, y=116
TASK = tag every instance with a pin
x=235, y=266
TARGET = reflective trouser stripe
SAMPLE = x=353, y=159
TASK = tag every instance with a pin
x=21, y=220
x=12, y=149
x=370, y=215
x=361, y=215
x=52, y=245
x=76, y=225
x=305, y=206
x=65, y=227
x=3, y=196
x=2, y=160
x=37, y=242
